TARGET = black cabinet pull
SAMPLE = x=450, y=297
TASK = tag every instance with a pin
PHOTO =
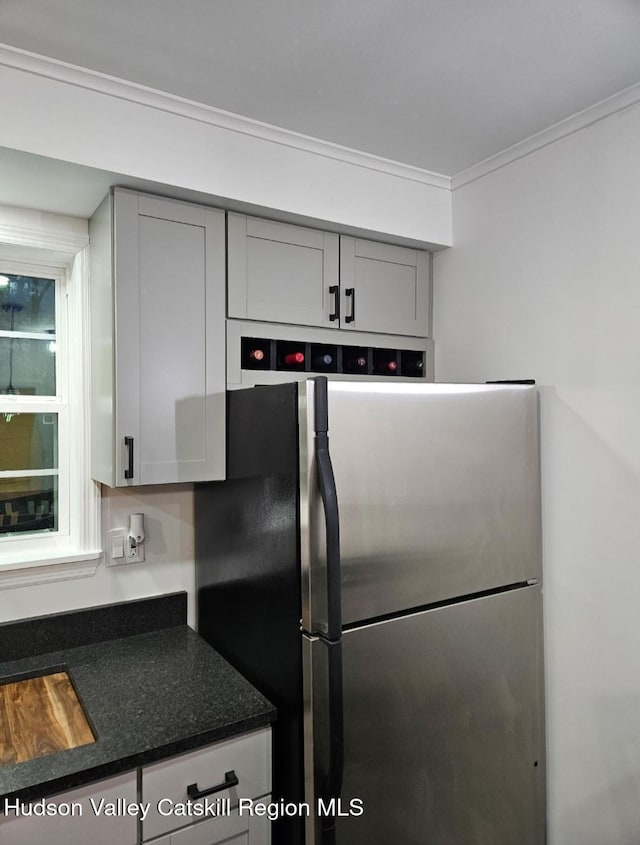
x=352, y=293
x=335, y=290
x=230, y=779
x=128, y=444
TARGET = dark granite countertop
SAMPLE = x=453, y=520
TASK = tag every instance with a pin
x=147, y=695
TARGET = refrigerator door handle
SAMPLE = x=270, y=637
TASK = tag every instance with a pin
x=329, y=497
x=332, y=786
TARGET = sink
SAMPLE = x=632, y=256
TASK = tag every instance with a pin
x=40, y=715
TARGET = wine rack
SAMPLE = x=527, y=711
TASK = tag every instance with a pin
x=259, y=353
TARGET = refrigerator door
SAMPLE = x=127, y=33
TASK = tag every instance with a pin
x=443, y=718
x=438, y=493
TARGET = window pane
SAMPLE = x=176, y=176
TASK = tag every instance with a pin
x=27, y=367
x=27, y=304
x=28, y=504
x=28, y=441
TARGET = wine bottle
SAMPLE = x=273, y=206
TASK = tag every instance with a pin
x=359, y=363
x=294, y=358
x=414, y=368
x=256, y=355
x=325, y=360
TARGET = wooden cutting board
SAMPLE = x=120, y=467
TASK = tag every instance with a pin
x=39, y=716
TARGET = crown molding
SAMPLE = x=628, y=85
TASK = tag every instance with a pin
x=112, y=86
x=61, y=236
x=74, y=75
x=65, y=243
x=587, y=117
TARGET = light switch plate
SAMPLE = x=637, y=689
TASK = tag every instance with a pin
x=117, y=548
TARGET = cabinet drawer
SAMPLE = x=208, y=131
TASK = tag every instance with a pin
x=165, y=784
x=232, y=830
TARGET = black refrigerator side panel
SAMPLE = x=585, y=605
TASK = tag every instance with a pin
x=262, y=432
x=248, y=573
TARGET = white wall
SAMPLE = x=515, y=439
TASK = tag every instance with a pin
x=544, y=282
x=168, y=568
x=98, y=122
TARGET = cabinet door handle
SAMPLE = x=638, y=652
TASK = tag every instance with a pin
x=230, y=779
x=335, y=290
x=352, y=293
x=128, y=444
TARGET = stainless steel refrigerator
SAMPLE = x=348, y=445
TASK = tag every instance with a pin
x=373, y=565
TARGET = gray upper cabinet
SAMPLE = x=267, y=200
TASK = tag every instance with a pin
x=158, y=341
x=280, y=273
x=289, y=274
x=384, y=288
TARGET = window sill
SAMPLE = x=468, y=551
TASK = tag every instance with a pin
x=23, y=571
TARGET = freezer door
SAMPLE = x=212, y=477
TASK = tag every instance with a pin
x=443, y=726
x=438, y=493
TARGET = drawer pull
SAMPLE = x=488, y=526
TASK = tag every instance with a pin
x=335, y=290
x=128, y=444
x=230, y=779
x=351, y=292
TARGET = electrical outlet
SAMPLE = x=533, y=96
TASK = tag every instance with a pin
x=118, y=551
x=133, y=553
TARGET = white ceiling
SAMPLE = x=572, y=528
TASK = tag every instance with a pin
x=441, y=84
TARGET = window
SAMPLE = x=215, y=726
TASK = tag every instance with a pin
x=49, y=514
x=34, y=418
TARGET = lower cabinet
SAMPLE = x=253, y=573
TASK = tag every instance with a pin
x=232, y=829
x=215, y=794
x=77, y=817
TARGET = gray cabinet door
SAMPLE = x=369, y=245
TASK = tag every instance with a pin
x=169, y=340
x=443, y=725
x=289, y=274
x=281, y=273
x=384, y=288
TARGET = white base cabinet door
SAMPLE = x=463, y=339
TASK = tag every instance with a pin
x=84, y=826
x=158, y=341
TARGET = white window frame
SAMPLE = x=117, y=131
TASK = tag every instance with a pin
x=74, y=549
x=30, y=544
